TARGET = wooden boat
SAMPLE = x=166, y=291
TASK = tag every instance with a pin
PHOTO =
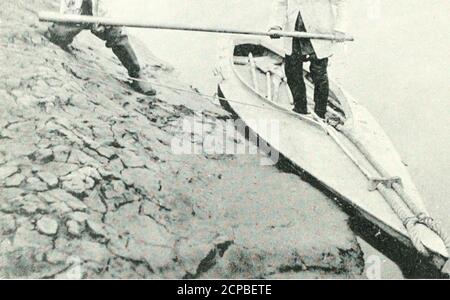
x=350, y=154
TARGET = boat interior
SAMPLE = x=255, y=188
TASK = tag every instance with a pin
x=263, y=71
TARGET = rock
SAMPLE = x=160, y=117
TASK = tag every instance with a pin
x=9, y=194
x=5, y=247
x=77, y=183
x=79, y=217
x=27, y=237
x=59, y=169
x=6, y=99
x=59, y=198
x=73, y=273
x=9, y=205
x=7, y=224
x=80, y=250
x=74, y=183
x=107, y=152
x=143, y=240
x=15, y=180
x=131, y=160
x=142, y=179
x=89, y=143
x=101, y=131
x=6, y=172
x=80, y=181
x=61, y=153
x=74, y=228
x=107, y=174
x=60, y=208
x=54, y=82
x=81, y=158
x=17, y=93
x=35, y=184
x=56, y=257
x=50, y=179
x=154, y=211
x=31, y=204
x=149, y=208
x=57, y=195
x=192, y=254
x=114, y=189
x=21, y=263
x=13, y=82
x=96, y=229
x=75, y=204
x=35, y=169
x=91, y=251
x=94, y=202
x=47, y=226
x=6, y=134
x=43, y=156
x=115, y=166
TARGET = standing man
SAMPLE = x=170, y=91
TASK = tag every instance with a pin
x=115, y=38
x=315, y=16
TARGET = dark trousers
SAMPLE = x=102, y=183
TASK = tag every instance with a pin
x=296, y=82
x=63, y=35
x=302, y=51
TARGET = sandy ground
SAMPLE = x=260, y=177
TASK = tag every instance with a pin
x=91, y=187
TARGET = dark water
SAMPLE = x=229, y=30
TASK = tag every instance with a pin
x=398, y=67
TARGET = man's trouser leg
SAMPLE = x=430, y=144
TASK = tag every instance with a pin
x=319, y=75
x=121, y=47
x=296, y=82
x=63, y=35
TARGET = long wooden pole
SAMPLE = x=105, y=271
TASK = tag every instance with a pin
x=77, y=19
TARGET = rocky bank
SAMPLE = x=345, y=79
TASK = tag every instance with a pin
x=90, y=186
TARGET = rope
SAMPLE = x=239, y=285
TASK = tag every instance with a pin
x=413, y=231
x=399, y=207
x=424, y=218
x=126, y=77
x=437, y=228
x=421, y=216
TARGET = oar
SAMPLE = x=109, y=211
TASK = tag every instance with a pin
x=253, y=70
x=76, y=19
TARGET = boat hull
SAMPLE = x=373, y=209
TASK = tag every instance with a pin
x=307, y=146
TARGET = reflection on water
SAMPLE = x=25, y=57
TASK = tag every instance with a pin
x=398, y=68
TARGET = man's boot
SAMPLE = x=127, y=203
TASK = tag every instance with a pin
x=128, y=58
x=142, y=86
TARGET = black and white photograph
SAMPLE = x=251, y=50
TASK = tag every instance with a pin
x=224, y=146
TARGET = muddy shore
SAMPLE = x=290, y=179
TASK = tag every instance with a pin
x=91, y=187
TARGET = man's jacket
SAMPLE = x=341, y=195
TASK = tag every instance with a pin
x=99, y=7
x=319, y=16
